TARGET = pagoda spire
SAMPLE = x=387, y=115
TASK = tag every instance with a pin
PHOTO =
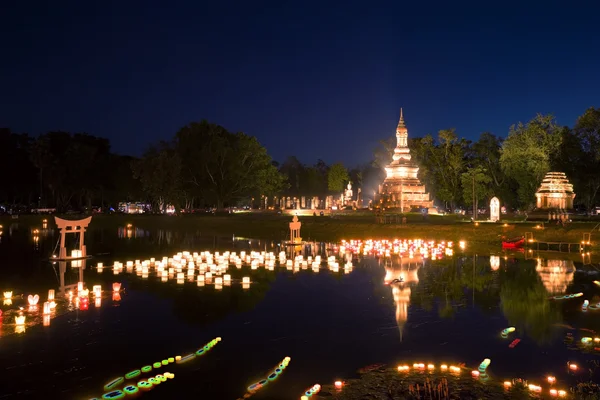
x=401, y=123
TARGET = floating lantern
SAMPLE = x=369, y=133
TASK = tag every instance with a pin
x=50, y=294
x=84, y=292
x=430, y=367
x=116, y=296
x=338, y=385
x=444, y=367
x=20, y=320
x=475, y=374
x=484, y=364
x=33, y=300
x=507, y=384
x=506, y=331
x=218, y=281
x=246, y=279
x=573, y=367
x=79, y=286
x=462, y=244
x=534, y=388
x=551, y=380
x=585, y=305
x=97, y=290
x=562, y=393
x=45, y=320
x=8, y=295
x=46, y=309
x=116, y=286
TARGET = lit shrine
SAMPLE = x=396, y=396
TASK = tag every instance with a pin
x=402, y=188
x=555, y=192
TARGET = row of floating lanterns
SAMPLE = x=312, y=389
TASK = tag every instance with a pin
x=407, y=247
x=49, y=306
x=112, y=387
x=479, y=373
x=208, y=268
x=271, y=377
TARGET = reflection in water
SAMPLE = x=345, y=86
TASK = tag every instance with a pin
x=556, y=275
x=400, y=277
x=525, y=302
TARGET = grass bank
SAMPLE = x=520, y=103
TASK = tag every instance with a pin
x=334, y=228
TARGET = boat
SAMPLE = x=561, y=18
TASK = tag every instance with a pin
x=516, y=243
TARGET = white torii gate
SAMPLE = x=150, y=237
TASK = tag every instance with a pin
x=69, y=226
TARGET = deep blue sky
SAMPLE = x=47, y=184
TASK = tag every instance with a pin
x=317, y=79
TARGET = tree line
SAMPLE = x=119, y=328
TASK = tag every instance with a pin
x=204, y=165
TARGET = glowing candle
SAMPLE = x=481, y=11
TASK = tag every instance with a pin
x=8, y=295
x=97, y=290
x=573, y=367
x=551, y=379
x=46, y=309
x=430, y=366
x=116, y=286
x=50, y=294
x=246, y=279
x=226, y=278
x=338, y=385
x=20, y=320
x=33, y=300
x=444, y=367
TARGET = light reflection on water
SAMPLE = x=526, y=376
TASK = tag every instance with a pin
x=452, y=308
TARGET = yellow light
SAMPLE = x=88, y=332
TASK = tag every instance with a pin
x=551, y=379
x=8, y=295
x=562, y=393
x=444, y=367
x=553, y=392
x=20, y=320
x=507, y=384
x=430, y=366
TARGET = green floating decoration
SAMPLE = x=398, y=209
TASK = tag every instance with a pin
x=144, y=385
x=165, y=362
x=171, y=359
x=186, y=358
x=115, y=394
x=147, y=369
x=131, y=389
x=157, y=365
x=114, y=383
x=132, y=374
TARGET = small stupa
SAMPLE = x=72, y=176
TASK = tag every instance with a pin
x=555, y=192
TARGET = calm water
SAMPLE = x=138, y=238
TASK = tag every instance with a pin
x=329, y=323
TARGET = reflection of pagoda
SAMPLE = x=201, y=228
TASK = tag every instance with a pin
x=400, y=278
x=401, y=187
x=556, y=275
x=555, y=192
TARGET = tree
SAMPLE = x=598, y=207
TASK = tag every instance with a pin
x=223, y=167
x=584, y=156
x=475, y=183
x=159, y=171
x=527, y=152
x=337, y=177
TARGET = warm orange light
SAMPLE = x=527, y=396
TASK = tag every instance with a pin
x=553, y=392
x=338, y=384
x=444, y=367
x=551, y=379
x=475, y=373
x=507, y=384
x=573, y=367
x=535, y=388
x=562, y=393
x=430, y=366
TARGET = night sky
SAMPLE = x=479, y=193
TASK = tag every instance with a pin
x=315, y=79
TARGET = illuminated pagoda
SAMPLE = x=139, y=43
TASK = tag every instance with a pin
x=401, y=188
x=555, y=192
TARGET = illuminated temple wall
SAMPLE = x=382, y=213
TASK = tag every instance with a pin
x=555, y=192
x=556, y=275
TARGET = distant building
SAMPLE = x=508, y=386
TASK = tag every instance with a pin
x=401, y=188
x=555, y=192
x=133, y=207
